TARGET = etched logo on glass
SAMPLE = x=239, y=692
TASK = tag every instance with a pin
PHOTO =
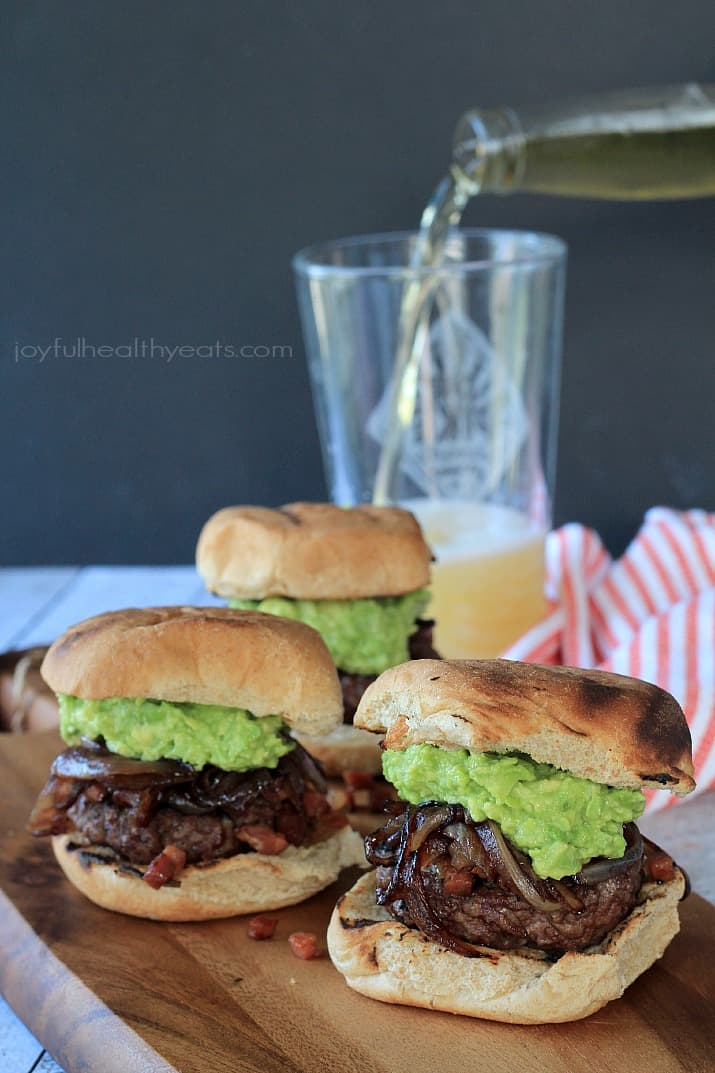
x=469, y=422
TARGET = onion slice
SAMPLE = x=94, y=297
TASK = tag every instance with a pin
x=404, y=842
x=428, y=820
x=504, y=860
x=45, y=815
x=381, y=845
x=601, y=868
x=466, y=849
x=415, y=897
x=310, y=768
x=90, y=764
x=567, y=895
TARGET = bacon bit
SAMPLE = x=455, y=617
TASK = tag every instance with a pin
x=262, y=927
x=165, y=866
x=315, y=803
x=292, y=826
x=361, y=799
x=304, y=944
x=64, y=790
x=660, y=867
x=338, y=797
x=365, y=792
x=358, y=780
x=333, y=821
x=95, y=792
x=459, y=883
x=262, y=839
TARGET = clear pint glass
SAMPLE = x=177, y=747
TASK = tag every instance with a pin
x=478, y=410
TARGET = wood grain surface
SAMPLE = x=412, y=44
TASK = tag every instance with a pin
x=119, y=995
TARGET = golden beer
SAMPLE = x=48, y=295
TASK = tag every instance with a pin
x=488, y=578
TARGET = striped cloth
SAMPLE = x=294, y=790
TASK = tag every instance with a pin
x=650, y=614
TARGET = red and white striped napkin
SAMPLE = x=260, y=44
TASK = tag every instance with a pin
x=650, y=614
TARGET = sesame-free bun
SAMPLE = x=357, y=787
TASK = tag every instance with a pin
x=246, y=883
x=312, y=551
x=385, y=960
x=237, y=659
x=600, y=726
x=345, y=749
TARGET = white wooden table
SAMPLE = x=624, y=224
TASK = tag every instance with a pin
x=38, y=604
x=35, y=606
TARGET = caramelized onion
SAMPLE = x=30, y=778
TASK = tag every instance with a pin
x=412, y=856
x=380, y=846
x=44, y=816
x=425, y=843
x=310, y=769
x=497, y=848
x=466, y=849
x=604, y=867
x=90, y=764
x=567, y=895
x=415, y=897
x=428, y=820
x=283, y=800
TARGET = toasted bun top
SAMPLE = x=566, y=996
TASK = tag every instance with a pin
x=205, y=655
x=312, y=551
x=605, y=727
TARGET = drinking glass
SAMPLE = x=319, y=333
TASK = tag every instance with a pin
x=476, y=410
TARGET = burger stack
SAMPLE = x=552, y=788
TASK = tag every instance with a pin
x=360, y=578
x=509, y=881
x=182, y=795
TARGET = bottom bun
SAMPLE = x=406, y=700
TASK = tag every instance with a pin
x=246, y=883
x=386, y=960
x=345, y=749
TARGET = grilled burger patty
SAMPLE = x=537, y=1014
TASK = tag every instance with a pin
x=493, y=916
x=207, y=814
x=354, y=685
x=457, y=885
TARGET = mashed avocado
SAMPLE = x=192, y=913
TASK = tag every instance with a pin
x=364, y=636
x=561, y=821
x=198, y=734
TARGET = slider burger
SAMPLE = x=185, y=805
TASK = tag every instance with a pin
x=356, y=575
x=182, y=795
x=512, y=882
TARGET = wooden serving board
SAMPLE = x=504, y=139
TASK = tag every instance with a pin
x=114, y=994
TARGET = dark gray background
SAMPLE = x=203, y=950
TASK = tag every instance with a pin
x=162, y=161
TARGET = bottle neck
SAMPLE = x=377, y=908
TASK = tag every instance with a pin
x=646, y=144
x=489, y=151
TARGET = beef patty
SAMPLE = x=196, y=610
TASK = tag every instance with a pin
x=208, y=814
x=437, y=889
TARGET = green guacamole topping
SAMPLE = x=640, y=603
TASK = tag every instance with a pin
x=198, y=734
x=364, y=636
x=561, y=821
